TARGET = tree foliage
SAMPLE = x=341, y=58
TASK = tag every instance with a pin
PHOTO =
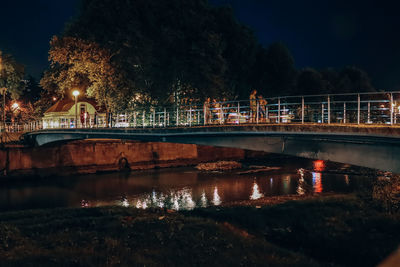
x=353, y=79
x=11, y=75
x=330, y=81
x=310, y=82
x=151, y=50
x=83, y=65
x=126, y=53
x=275, y=70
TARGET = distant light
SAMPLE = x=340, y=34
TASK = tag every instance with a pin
x=15, y=106
x=75, y=93
x=54, y=98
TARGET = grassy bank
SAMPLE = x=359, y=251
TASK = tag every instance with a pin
x=125, y=236
x=344, y=230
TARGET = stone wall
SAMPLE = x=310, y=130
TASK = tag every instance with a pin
x=107, y=155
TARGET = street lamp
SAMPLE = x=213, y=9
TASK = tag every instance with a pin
x=15, y=106
x=76, y=93
x=3, y=91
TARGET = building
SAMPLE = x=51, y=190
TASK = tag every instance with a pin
x=62, y=114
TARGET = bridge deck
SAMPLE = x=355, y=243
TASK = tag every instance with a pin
x=365, y=129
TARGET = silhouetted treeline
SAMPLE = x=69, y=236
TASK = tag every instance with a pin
x=159, y=49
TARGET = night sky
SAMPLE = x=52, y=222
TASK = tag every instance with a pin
x=319, y=34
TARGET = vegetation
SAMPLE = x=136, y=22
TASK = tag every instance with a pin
x=130, y=237
x=328, y=81
x=130, y=53
x=336, y=230
x=11, y=75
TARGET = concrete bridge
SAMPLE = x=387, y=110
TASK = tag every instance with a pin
x=373, y=146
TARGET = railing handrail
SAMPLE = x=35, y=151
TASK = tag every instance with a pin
x=322, y=108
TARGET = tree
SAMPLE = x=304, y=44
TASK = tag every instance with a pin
x=81, y=64
x=11, y=75
x=310, y=82
x=153, y=50
x=330, y=81
x=278, y=68
x=353, y=79
x=32, y=90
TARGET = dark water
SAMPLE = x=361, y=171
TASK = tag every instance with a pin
x=179, y=188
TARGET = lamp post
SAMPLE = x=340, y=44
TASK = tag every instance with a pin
x=14, y=108
x=3, y=91
x=76, y=93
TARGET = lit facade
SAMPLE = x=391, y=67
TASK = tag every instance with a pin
x=62, y=114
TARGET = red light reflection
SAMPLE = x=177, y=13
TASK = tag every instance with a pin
x=317, y=183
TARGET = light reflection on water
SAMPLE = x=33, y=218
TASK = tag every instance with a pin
x=317, y=182
x=256, y=194
x=301, y=190
x=172, y=188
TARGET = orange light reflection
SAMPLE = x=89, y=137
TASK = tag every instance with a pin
x=317, y=183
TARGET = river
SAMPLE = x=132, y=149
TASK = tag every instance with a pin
x=180, y=188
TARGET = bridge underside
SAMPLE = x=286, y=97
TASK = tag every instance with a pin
x=378, y=152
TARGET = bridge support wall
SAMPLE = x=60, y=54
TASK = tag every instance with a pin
x=108, y=155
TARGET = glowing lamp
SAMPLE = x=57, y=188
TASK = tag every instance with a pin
x=75, y=93
x=319, y=165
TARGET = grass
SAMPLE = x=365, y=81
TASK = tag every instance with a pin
x=343, y=230
x=130, y=237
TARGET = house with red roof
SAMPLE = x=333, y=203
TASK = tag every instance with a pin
x=62, y=114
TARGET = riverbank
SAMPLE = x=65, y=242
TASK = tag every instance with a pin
x=91, y=156
x=323, y=230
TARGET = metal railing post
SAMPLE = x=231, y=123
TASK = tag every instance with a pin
x=279, y=110
x=329, y=109
x=258, y=113
x=391, y=108
x=165, y=117
x=322, y=112
x=154, y=118
x=358, y=108
x=204, y=113
x=369, y=113
x=177, y=116
x=190, y=116
x=134, y=119
x=144, y=115
x=238, y=112
x=302, y=109
x=344, y=112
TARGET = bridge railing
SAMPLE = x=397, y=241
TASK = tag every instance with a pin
x=21, y=127
x=358, y=108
